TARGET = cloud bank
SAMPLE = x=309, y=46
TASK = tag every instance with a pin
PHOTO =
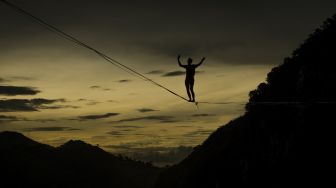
x=29, y=105
x=97, y=117
x=17, y=90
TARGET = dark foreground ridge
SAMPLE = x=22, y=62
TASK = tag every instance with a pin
x=285, y=138
x=26, y=163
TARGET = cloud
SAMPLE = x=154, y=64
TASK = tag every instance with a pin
x=202, y=115
x=155, y=72
x=41, y=101
x=16, y=78
x=7, y=119
x=3, y=117
x=57, y=107
x=43, y=104
x=21, y=78
x=96, y=117
x=95, y=87
x=124, y=81
x=198, y=133
x=41, y=120
x=26, y=105
x=92, y=103
x=99, y=137
x=170, y=121
x=117, y=133
x=100, y=88
x=174, y=73
x=17, y=90
x=121, y=130
x=163, y=119
x=49, y=129
x=3, y=80
x=17, y=105
x=88, y=101
x=127, y=127
x=144, y=110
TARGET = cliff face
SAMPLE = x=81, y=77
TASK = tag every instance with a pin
x=285, y=137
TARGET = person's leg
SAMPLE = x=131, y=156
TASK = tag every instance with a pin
x=187, y=87
x=192, y=89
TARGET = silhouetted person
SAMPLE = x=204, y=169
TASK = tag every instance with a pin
x=190, y=73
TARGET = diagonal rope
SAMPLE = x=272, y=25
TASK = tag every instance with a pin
x=57, y=31
x=132, y=71
x=80, y=43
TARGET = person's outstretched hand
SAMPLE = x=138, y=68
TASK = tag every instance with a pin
x=203, y=58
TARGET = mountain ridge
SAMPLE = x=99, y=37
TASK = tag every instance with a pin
x=73, y=164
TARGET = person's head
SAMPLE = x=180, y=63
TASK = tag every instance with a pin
x=189, y=61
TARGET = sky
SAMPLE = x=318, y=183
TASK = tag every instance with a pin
x=53, y=91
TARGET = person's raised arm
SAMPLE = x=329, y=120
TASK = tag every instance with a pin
x=179, y=62
x=200, y=63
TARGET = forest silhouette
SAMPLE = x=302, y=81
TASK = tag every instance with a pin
x=285, y=137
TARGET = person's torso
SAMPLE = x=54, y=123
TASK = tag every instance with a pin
x=190, y=71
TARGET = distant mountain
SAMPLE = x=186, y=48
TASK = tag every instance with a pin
x=26, y=163
x=285, y=138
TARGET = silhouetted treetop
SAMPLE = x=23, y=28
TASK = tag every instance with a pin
x=308, y=75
